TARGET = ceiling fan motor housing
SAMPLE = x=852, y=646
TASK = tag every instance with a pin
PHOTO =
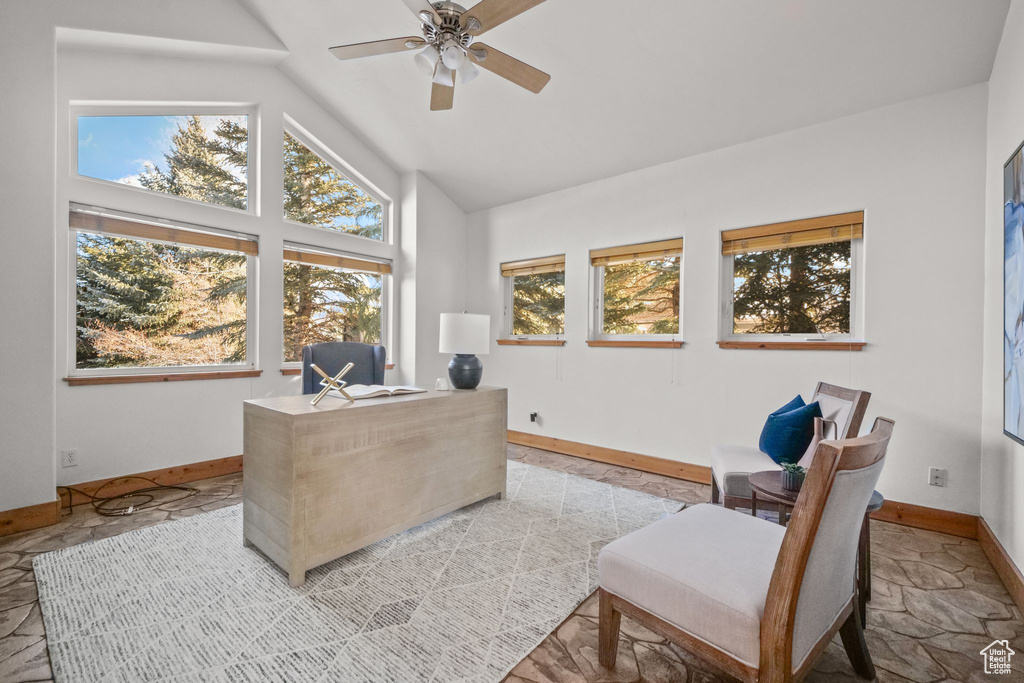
x=450, y=29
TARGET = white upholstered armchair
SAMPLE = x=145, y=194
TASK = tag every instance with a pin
x=755, y=600
x=842, y=411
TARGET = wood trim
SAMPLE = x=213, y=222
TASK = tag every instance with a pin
x=531, y=342
x=636, y=252
x=832, y=221
x=610, y=343
x=165, y=377
x=794, y=345
x=1004, y=565
x=291, y=372
x=29, y=517
x=610, y=456
x=932, y=519
x=547, y=264
x=335, y=261
x=180, y=474
x=91, y=222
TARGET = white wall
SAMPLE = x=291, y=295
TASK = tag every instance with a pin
x=442, y=239
x=915, y=168
x=434, y=276
x=1002, y=466
x=27, y=378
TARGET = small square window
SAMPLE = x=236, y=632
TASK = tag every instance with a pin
x=638, y=290
x=535, y=303
x=793, y=279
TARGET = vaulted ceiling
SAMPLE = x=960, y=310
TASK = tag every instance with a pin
x=633, y=83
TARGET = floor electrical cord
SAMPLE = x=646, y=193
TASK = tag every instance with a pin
x=124, y=504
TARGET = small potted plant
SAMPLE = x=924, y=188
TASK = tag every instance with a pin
x=792, y=476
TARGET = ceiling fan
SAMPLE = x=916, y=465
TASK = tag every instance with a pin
x=449, y=46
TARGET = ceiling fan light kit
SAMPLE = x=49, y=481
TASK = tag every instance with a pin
x=449, y=46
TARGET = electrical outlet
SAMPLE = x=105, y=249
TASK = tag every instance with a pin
x=936, y=476
x=69, y=458
x=533, y=416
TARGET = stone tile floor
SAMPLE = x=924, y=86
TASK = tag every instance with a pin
x=935, y=598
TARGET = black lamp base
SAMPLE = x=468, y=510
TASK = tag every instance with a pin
x=465, y=371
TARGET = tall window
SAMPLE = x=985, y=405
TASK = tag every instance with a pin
x=151, y=295
x=638, y=289
x=331, y=297
x=793, y=278
x=316, y=193
x=536, y=297
x=201, y=157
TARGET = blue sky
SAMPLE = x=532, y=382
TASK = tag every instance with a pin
x=116, y=148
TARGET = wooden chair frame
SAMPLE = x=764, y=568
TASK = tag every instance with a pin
x=776, y=649
x=858, y=398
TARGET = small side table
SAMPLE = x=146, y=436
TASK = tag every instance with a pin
x=768, y=487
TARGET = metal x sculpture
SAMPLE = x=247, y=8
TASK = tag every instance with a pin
x=332, y=382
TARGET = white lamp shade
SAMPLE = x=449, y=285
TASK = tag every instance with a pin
x=465, y=333
x=467, y=72
x=426, y=59
x=444, y=76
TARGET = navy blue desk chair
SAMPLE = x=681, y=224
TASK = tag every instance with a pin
x=331, y=357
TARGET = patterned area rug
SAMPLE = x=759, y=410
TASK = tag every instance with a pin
x=462, y=598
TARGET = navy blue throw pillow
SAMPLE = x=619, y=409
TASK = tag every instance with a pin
x=788, y=433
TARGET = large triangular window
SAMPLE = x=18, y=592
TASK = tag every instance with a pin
x=316, y=193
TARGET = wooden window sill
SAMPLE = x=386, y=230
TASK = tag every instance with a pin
x=531, y=342
x=291, y=372
x=611, y=343
x=812, y=345
x=166, y=377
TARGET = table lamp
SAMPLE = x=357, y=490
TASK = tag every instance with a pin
x=465, y=335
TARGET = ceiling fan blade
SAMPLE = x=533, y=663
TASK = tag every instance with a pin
x=520, y=73
x=442, y=97
x=417, y=6
x=377, y=47
x=491, y=13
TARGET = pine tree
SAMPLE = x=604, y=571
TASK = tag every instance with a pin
x=329, y=304
x=538, y=303
x=316, y=194
x=642, y=296
x=118, y=288
x=325, y=304
x=204, y=168
x=801, y=290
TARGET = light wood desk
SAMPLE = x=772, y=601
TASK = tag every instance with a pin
x=320, y=482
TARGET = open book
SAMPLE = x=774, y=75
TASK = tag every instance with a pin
x=377, y=390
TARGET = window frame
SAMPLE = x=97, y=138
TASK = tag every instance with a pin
x=251, y=112
x=346, y=170
x=251, y=300
x=726, y=333
x=597, y=333
x=508, y=291
x=385, y=294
